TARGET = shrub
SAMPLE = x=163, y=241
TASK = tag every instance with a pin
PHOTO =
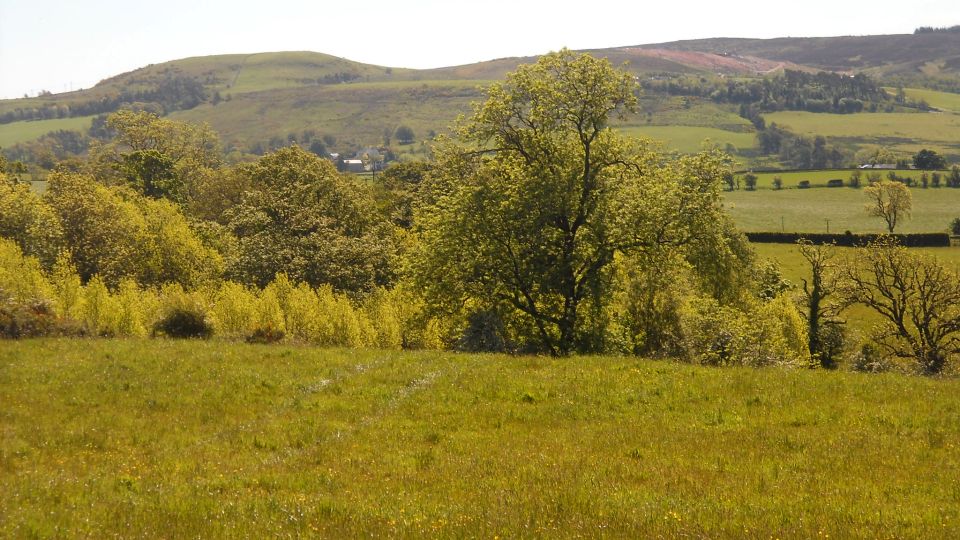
x=777, y=182
x=265, y=334
x=234, y=310
x=182, y=315
x=835, y=182
x=854, y=181
x=183, y=323
x=21, y=276
x=34, y=318
x=803, y=184
x=955, y=226
x=485, y=332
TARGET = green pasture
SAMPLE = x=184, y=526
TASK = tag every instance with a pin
x=213, y=439
x=351, y=112
x=906, y=132
x=807, y=210
x=691, y=139
x=18, y=132
x=945, y=101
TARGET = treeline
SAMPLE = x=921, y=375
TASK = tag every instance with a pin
x=794, y=90
x=535, y=231
x=937, y=30
x=166, y=95
x=800, y=152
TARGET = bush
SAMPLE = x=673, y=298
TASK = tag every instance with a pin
x=955, y=226
x=835, y=182
x=803, y=184
x=182, y=316
x=484, y=333
x=870, y=360
x=854, y=181
x=183, y=323
x=34, y=318
x=265, y=334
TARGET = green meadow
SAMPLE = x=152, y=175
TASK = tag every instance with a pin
x=18, y=132
x=807, y=210
x=691, y=139
x=905, y=132
x=945, y=101
x=216, y=439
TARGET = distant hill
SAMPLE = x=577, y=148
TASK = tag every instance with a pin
x=934, y=53
x=263, y=100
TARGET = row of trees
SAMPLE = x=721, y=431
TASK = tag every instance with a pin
x=794, y=90
x=537, y=229
x=171, y=93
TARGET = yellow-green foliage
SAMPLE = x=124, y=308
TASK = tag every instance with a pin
x=21, y=276
x=25, y=219
x=116, y=233
x=269, y=313
x=132, y=318
x=68, y=291
x=234, y=310
x=382, y=313
x=757, y=334
x=100, y=314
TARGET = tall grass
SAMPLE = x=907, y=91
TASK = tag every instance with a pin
x=173, y=438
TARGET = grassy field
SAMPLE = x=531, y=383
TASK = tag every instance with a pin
x=906, y=132
x=807, y=210
x=945, y=101
x=690, y=138
x=177, y=439
x=17, y=132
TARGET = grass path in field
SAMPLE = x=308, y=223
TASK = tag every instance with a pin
x=173, y=439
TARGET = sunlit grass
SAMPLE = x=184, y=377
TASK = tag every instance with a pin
x=174, y=439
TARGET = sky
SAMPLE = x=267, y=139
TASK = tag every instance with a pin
x=61, y=45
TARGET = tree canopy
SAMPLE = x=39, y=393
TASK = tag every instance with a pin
x=301, y=217
x=529, y=209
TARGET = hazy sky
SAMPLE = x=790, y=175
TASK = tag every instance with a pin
x=57, y=45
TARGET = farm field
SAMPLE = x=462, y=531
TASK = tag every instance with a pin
x=806, y=210
x=176, y=438
x=17, y=132
x=690, y=139
x=359, y=112
x=945, y=101
x=905, y=132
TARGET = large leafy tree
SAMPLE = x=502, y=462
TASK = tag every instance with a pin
x=303, y=218
x=158, y=157
x=528, y=210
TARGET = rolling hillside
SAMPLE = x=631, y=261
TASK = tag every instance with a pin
x=258, y=101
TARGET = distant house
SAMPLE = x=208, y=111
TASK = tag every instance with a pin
x=353, y=165
x=879, y=166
